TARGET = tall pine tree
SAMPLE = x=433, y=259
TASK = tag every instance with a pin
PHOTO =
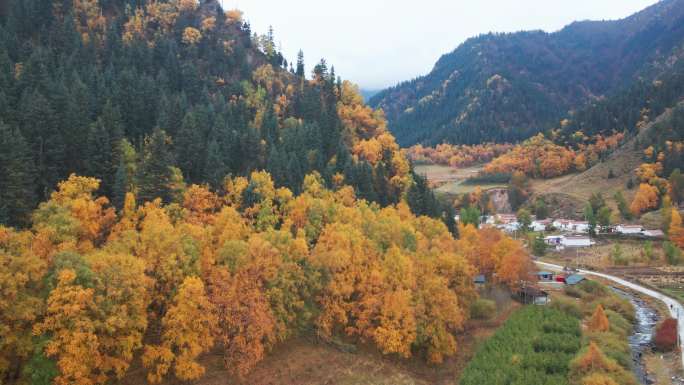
x=154, y=171
x=17, y=195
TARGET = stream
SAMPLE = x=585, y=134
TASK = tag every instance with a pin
x=640, y=340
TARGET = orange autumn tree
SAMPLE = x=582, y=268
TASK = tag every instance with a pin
x=492, y=253
x=676, y=231
x=246, y=326
x=513, y=262
x=161, y=246
x=593, y=360
x=345, y=254
x=646, y=198
x=457, y=155
x=73, y=219
x=359, y=120
x=21, y=303
x=395, y=323
x=188, y=331
x=541, y=157
x=201, y=204
x=121, y=299
x=96, y=316
x=598, y=322
x=365, y=131
x=74, y=343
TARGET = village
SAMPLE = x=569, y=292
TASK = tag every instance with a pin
x=560, y=234
x=568, y=233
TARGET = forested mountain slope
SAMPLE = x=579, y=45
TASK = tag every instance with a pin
x=507, y=87
x=149, y=95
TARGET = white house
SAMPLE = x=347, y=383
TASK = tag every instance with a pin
x=540, y=225
x=653, y=233
x=509, y=227
x=560, y=224
x=577, y=241
x=579, y=226
x=562, y=241
x=571, y=226
x=629, y=229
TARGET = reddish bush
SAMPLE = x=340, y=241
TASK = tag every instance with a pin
x=666, y=335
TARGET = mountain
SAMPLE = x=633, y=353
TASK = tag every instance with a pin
x=149, y=96
x=367, y=94
x=507, y=87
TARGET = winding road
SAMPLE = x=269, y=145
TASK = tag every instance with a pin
x=676, y=309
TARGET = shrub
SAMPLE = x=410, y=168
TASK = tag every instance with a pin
x=598, y=379
x=665, y=338
x=573, y=291
x=618, y=305
x=483, y=309
x=568, y=307
x=592, y=287
x=618, y=323
x=613, y=346
x=672, y=253
x=593, y=362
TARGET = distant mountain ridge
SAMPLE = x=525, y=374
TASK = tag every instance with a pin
x=507, y=87
x=368, y=93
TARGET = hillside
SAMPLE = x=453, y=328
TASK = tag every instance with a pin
x=507, y=87
x=148, y=96
x=574, y=190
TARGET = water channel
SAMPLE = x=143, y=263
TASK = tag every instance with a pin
x=646, y=319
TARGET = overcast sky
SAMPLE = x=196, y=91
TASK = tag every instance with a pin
x=378, y=43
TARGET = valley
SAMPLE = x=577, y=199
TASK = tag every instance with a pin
x=181, y=202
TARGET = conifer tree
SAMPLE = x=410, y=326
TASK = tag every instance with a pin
x=120, y=187
x=154, y=173
x=17, y=194
x=190, y=151
x=100, y=158
x=599, y=321
x=39, y=126
x=300, y=71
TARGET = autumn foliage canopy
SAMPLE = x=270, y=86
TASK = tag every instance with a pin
x=238, y=273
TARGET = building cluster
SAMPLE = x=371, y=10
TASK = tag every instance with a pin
x=537, y=291
x=572, y=233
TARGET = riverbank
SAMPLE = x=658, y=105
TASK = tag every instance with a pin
x=640, y=341
x=662, y=368
x=672, y=309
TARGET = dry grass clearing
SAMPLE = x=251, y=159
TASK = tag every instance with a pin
x=579, y=187
x=303, y=361
x=449, y=180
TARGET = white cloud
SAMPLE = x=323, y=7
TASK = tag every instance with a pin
x=377, y=43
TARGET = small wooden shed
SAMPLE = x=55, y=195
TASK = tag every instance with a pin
x=532, y=295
